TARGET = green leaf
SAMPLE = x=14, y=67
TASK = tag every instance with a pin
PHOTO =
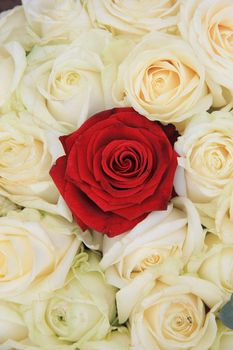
x=226, y=314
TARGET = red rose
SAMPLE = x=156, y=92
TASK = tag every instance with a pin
x=119, y=166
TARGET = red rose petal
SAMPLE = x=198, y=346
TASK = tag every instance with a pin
x=68, y=140
x=88, y=214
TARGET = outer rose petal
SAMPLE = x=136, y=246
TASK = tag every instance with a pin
x=68, y=140
x=88, y=214
x=58, y=173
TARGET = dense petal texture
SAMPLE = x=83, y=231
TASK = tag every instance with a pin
x=26, y=155
x=65, y=82
x=175, y=316
x=206, y=155
x=118, y=167
x=36, y=253
x=175, y=233
x=76, y=315
x=207, y=25
x=133, y=17
x=162, y=79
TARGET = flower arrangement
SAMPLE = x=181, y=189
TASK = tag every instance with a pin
x=116, y=175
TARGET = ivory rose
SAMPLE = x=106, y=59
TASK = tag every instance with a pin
x=115, y=340
x=175, y=232
x=56, y=21
x=162, y=79
x=6, y=206
x=217, y=215
x=36, y=253
x=62, y=84
x=224, y=338
x=26, y=156
x=12, y=66
x=133, y=17
x=12, y=325
x=178, y=312
x=14, y=27
x=215, y=264
x=207, y=26
x=206, y=155
x=16, y=345
x=78, y=313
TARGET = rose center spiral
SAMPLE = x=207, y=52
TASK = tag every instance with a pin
x=124, y=159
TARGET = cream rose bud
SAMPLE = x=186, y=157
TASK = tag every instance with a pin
x=12, y=325
x=80, y=312
x=207, y=26
x=12, y=66
x=62, y=84
x=56, y=21
x=133, y=17
x=215, y=264
x=162, y=79
x=176, y=313
x=224, y=338
x=27, y=153
x=175, y=232
x=206, y=155
x=36, y=253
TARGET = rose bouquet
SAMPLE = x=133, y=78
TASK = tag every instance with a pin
x=116, y=175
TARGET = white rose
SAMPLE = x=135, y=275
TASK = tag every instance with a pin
x=12, y=66
x=175, y=232
x=173, y=314
x=34, y=256
x=113, y=55
x=80, y=312
x=224, y=338
x=56, y=21
x=133, y=17
x=162, y=79
x=14, y=27
x=26, y=155
x=16, y=345
x=6, y=206
x=12, y=325
x=226, y=341
x=62, y=84
x=217, y=215
x=215, y=264
x=116, y=340
x=207, y=25
x=206, y=155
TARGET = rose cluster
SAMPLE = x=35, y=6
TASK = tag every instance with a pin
x=116, y=175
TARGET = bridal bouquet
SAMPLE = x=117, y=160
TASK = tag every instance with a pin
x=116, y=175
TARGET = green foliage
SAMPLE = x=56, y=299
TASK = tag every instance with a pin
x=226, y=314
